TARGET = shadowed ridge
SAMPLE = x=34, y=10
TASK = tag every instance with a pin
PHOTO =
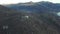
x=6, y=10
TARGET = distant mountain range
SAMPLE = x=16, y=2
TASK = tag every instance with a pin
x=38, y=7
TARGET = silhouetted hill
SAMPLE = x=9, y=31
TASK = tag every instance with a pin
x=27, y=23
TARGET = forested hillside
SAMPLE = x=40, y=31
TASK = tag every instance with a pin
x=28, y=23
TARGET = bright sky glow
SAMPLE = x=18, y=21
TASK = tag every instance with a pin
x=23, y=1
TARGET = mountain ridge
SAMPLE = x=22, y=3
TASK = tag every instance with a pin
x=36, y=7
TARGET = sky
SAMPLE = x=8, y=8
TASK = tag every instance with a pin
x=23, y=1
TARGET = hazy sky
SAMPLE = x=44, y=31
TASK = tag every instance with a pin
x=18, y=1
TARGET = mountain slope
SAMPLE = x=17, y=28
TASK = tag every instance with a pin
x=27, y=23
